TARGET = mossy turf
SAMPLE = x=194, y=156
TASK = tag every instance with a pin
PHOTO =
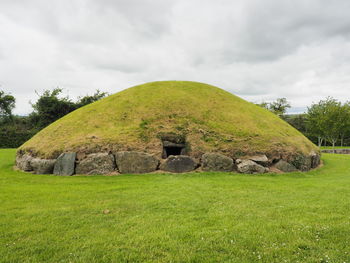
x=210, y=118
x=206, y=217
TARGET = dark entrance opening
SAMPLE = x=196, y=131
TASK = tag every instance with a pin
x=171, y=150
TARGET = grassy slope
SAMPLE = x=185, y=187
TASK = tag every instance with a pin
x=208, y=217
x=211, y=117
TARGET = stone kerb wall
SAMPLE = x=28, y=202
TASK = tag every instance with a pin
x=131, y=162
x=338, y=151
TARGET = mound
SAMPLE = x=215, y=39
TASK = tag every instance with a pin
x=171, y=118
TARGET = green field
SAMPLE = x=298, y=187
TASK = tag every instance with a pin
x=207, y=217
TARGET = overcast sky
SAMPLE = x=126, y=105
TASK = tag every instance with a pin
x=258, y=50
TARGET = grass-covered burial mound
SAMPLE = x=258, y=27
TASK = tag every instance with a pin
x=175, y=126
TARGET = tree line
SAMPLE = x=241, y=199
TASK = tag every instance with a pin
x=326, y=122
x=329, y=121
x=50, y=106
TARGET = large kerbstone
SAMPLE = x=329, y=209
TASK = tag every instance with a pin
x=23, y=162
x=259, y=159
x=136, y=162
x=216, y=162
x=285, y=166
x=96, y=163
x=302, y=162
x=338, y=151
x=315, y=159
x=65, y=164
x=178, y=164
x=250, y=167
x=43, y=166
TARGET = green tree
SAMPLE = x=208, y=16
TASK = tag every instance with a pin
x=316, y=121
x=298, y=121
x=327, y=119
x=82, y=101
x=50, y=107
x=7, y=104
x=333, y=116
x=264, y=105
x=279, y=106
x=345, y=122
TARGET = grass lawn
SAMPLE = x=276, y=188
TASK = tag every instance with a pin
x=208, y=217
